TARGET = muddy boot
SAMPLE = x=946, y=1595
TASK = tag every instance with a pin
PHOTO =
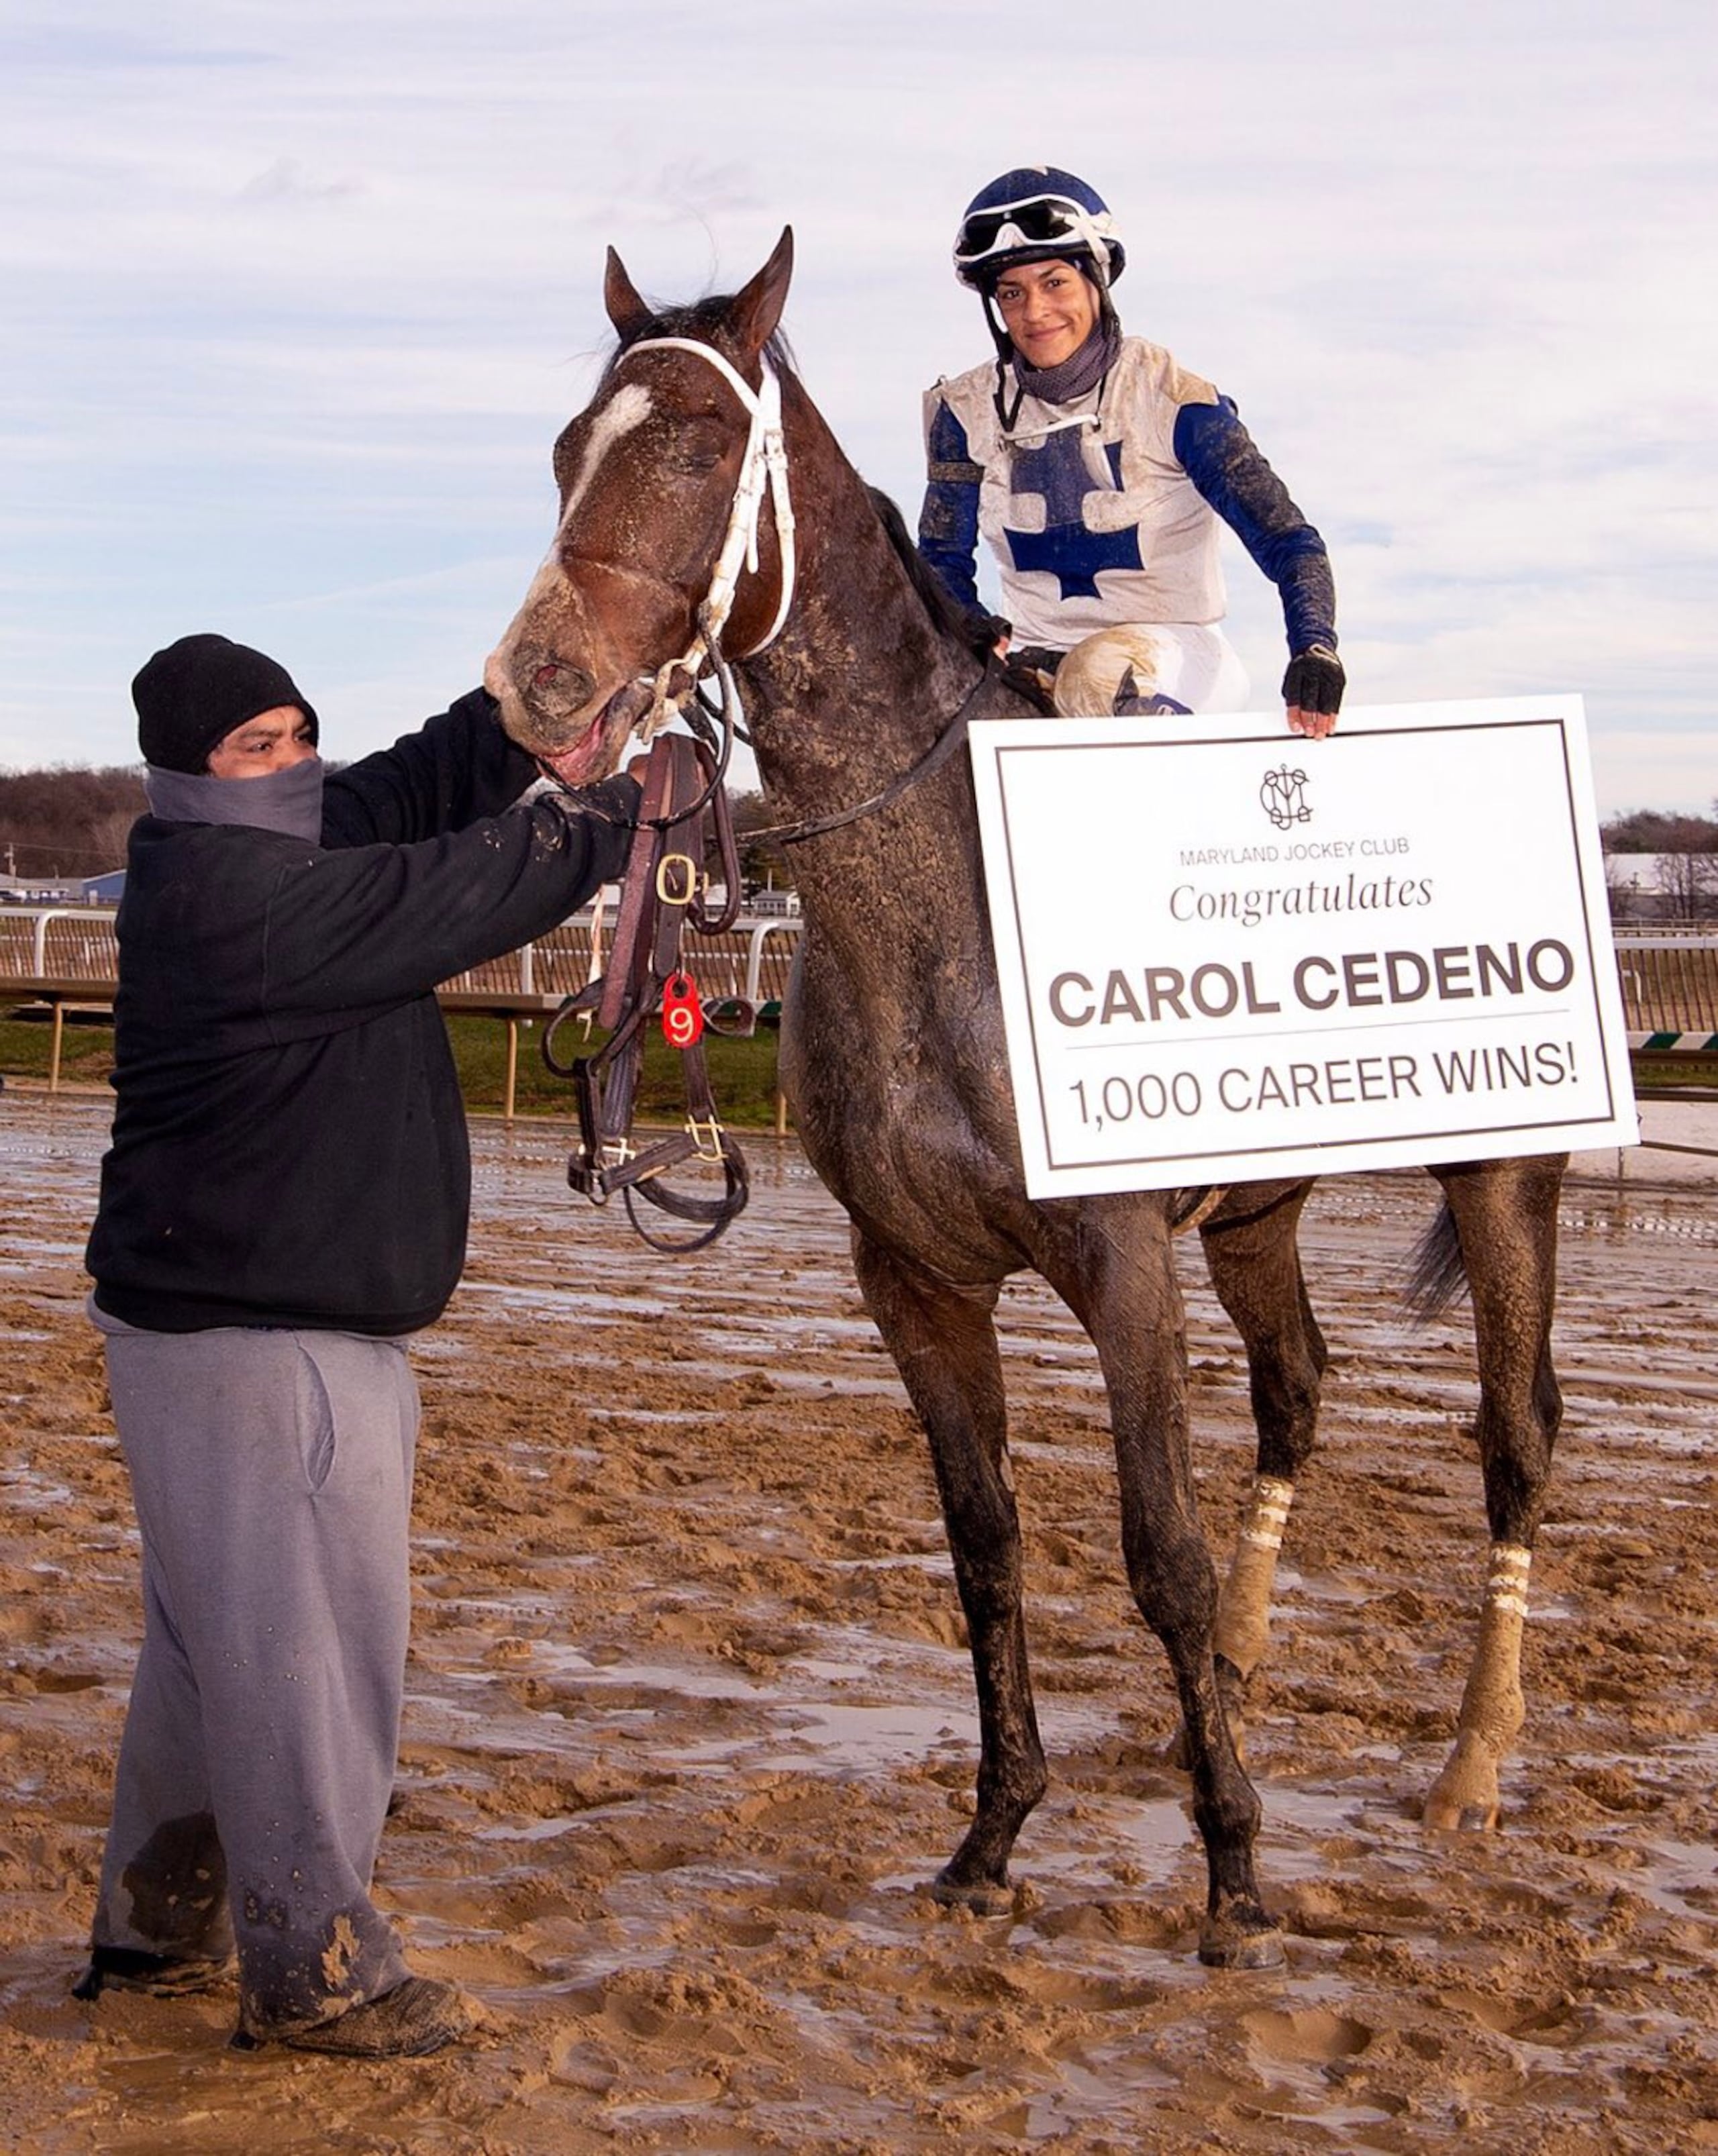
x=164, y=1976
x=419, y=2016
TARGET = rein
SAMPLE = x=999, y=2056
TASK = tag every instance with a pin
x=937, y=755
x=664, y=890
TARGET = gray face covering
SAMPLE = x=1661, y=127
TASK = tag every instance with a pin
x=289, y=800
x=1079, y=373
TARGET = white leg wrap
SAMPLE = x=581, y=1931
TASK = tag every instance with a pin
x=1506, y=1584
x=1243, y=1612
x=1465, y=1795
x=1268, y=1515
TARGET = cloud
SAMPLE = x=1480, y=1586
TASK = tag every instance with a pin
x=296, y=307
x=286, y=180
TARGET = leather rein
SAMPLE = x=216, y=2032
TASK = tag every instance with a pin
x=665, y=890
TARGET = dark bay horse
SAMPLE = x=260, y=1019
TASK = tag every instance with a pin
x=892, y=1056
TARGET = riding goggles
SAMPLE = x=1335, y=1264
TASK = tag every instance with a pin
x=1039, y=221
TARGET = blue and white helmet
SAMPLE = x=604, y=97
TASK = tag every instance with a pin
x=1036, y=213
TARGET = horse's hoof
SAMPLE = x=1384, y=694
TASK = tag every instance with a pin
x=1231, y=1945
x=1458, y=1815
x=1469, y=1820
x=984, y=1897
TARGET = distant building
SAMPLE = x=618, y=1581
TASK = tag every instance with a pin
x=1662, y=886
x=42, y=891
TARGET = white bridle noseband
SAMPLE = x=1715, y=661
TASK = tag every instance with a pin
x=763, y=469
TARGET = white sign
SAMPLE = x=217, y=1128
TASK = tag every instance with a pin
x=1228, y=954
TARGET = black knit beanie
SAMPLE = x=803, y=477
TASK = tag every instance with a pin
x=192, y=696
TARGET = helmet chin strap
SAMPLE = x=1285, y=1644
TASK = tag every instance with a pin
x=763, y=470
x=1088, y=265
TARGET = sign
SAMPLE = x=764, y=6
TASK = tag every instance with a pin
x=1228, y=954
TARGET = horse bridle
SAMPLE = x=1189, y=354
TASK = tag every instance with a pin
x=652, y=911
x=763, y=470
x=663, y=886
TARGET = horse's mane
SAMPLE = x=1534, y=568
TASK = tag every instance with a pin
x=978, y=634
x=935, y=596
x=937, y=600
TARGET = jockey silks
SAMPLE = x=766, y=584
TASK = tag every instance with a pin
x=1106, y=509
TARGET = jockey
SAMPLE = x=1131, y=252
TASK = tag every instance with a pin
x=1096, y=468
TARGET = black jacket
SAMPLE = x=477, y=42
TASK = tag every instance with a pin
x=289, y=1142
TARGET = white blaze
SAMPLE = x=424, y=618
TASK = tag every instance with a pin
x=627, y=410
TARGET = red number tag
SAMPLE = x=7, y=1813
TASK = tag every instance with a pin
x=683, y=1014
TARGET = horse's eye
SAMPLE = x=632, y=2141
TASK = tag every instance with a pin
x=696, y=448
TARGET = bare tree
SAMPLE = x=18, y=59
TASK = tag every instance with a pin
x=1689, y=882
x=67, y=821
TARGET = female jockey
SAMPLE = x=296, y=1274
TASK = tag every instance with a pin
x=1097, y=469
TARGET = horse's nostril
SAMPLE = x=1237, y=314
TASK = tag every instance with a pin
x=560, y=688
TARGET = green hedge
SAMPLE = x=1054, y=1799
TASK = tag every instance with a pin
x=27, y=1048
x=742, y=1072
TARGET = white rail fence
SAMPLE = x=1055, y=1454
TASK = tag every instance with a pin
x=66, y=958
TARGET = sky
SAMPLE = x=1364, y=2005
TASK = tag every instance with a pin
x=297, y=297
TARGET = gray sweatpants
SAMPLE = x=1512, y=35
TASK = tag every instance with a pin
x=272, y=1474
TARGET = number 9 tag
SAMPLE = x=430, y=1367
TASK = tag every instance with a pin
x=683, y=1014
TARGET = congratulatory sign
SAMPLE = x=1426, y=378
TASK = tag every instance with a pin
x=1236, y=954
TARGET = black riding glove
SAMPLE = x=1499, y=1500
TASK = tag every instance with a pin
x=984, y=631
x=1314, y=681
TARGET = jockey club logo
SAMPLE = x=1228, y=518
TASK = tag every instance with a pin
x=1283, y=797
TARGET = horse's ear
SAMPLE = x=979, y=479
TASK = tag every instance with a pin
x=627, y=310
x=757, y=310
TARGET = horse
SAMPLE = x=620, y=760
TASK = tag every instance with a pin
x=678, y=543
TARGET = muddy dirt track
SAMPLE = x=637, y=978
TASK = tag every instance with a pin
x=690, y=1723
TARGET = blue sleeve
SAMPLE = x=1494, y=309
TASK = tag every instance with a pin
x=456, y=770
x=1223, y=461
x=949, y=522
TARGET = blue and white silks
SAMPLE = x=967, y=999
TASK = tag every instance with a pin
x=1105, y=509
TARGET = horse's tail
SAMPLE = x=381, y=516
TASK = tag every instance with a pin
x=1437, y=1274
